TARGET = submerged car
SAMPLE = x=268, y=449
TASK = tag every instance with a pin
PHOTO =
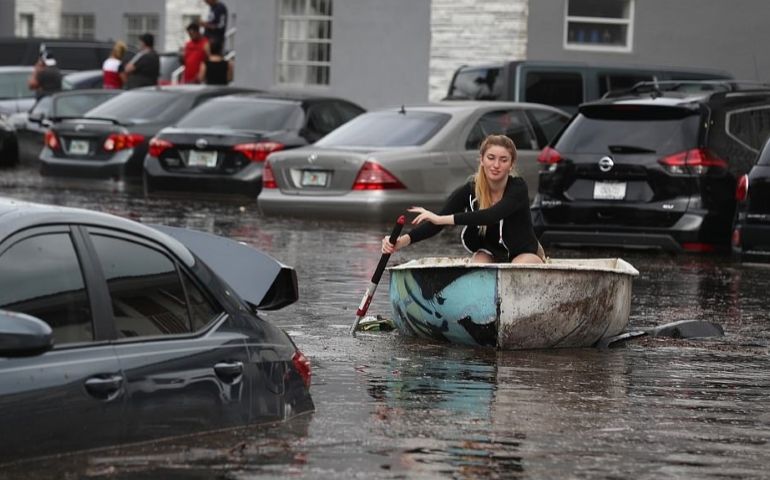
x=112, y=331
x=222, y=145
x=751, y=232
x=382, y=162
x=111, y=140
x=652, y=167
x=31, y=126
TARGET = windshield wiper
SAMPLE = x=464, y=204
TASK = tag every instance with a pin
x=628, y=149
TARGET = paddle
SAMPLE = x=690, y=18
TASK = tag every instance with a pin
x=364, y=306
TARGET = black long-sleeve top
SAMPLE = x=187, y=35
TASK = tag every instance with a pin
x=508, y=222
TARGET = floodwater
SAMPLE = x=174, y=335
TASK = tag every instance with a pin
x=392, y=407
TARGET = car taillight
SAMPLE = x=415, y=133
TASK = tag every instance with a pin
x=699, y=247
x=742, y=189
x=696, y=161
x=51, y=140
x=258, y=151
x=374, y=176
x=158, y=146
x=268, y=179
x=302, y=364
x=120, y=141
x=549, y=156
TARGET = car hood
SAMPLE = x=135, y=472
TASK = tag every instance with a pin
x=259, y=279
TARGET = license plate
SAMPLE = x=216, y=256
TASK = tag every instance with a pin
x=609, y=190
x=314, y=178
x=202, y=159
x=79, y=147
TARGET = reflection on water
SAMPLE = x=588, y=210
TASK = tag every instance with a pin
x=395, y=407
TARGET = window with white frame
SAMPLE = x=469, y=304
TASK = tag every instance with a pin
x=305, y=42
x=137, y=24
x=77, y=26
x=26, y=25
x=604, y=25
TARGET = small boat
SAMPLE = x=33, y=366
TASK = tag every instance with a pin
x=561, y=303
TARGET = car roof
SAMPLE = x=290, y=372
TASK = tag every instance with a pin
x=290, y=95
x=450, y=106
x=191, y=88
x=16, y=68
x=84, y=74
x=16, y=215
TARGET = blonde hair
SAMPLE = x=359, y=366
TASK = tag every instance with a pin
x=118, y=50
x=483, y=192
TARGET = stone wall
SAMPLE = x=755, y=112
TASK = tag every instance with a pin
x=176, y=12
x=474, y=32
x=47, y=16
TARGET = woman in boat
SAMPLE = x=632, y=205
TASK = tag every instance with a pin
x=493, y=206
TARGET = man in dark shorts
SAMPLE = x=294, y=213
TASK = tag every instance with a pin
x=144, y=69
x=215, y=25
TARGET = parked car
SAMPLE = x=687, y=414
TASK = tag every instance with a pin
x=9, y=146
x=15, y=95
x=382, y=162
x=111, y=140
x=112, y=331
x=82, y=79
x=222, y=145
x=70, y=53
x=654, y=167
x=751, y=232
x=31, y=126
x=563, y=85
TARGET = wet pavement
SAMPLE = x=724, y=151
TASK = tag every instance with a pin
x=393, y=407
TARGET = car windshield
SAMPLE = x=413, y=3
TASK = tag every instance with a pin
x=630, y=132
x=74, y=105
x=387, y=129
x=14, y=85
x=240, y=113
x=137, y=105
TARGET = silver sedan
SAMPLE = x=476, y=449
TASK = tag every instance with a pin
x=382, y=162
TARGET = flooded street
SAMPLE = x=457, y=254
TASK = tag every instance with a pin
x=392, y=407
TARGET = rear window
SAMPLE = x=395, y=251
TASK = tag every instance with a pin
x=764, y=156
x=244, y=114
x=137, y=105
x=477, y=84
x=387, y=129
x=661, y=131
x=74, y=105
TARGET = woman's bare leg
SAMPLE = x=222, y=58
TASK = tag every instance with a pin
x=482, y=257
x=526, y=258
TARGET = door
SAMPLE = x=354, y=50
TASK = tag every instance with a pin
x=184, y=363
x=71, y=397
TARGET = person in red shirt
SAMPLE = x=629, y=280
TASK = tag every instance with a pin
x=113, y=66
x=196, y=50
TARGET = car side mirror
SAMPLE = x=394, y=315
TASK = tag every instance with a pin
x=23, y=335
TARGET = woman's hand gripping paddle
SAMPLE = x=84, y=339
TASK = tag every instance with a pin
x=364, y=306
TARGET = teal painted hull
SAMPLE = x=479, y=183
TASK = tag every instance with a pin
x=566, y=303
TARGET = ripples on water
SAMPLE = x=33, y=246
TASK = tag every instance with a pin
x=392, y=407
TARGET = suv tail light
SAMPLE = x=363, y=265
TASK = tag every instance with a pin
x=258, y=151
x=302, y=364
x=268, y=179
x=120, y=141
x=52, y=141
x=742, y=189
x=374, y=176
x=697, y=161
x=549, y=156
x=699, y=247
x=158, y=146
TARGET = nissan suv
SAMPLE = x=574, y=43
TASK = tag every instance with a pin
x=652, y=167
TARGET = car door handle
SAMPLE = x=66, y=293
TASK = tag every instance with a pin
x=228, y=371
x=105, y=388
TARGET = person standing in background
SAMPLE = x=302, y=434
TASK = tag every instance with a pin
x=46, y=77
x=144, y=69
x=113, y=66
x=196, y=50
x=215, y=25
x=216, y=70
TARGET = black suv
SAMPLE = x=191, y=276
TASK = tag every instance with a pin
x=751, y=235
x=652, y=167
